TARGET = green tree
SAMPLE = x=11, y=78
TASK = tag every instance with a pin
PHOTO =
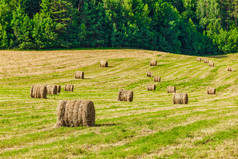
x=22, y=27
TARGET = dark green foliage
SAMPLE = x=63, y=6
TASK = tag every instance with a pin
x=22, y=29
x=95, y=22
x=43, y=31
x=196, y=27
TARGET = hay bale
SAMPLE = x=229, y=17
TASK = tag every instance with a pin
x=103, y=63
x=229, y=69
x=79, y=75
x=211, y=90
x=153, y=63
x=70, y=113
x=157, y=79
x=38, y=91
x=58, y=88
x=206, y=61
x=151, y=87
x=60, y=115
x=69, y=87
x=32, y=90
x=199, y=59
x=52, y=89
x=88, y=113
x=180, y=98
x=119, y=95
x=149, y=74
x=125, y=95
x=211, y=64
x=171, y=89
x=75, y=113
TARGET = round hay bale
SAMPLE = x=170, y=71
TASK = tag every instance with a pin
x=129, y=96
x=88, y=113
x=79, y=75
x=103, y=63
x=206, y=61
x=75, y=113
x=38, y=91
x=171, y=89
x=180, y=98
x=80, y=114
x=157, y=79
x=58, y=88
x=211, y=90
x=211, y=64
x=119, y=95
x=125, y=95
x=229, y=69
x=199, y=59
x=32, y=89
x=43, y=92
x=151, y=87
x=52, y=89
x=71, y=113
x=60, y=115
x=69, y=87
x=149, y=74
x=66, y=113
x=153, y=63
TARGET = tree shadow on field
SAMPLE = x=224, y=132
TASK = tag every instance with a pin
x=218, y=56
x=99, y=125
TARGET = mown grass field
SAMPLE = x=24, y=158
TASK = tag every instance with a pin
x=149, y=127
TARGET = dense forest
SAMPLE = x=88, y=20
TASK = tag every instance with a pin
x=195, y=27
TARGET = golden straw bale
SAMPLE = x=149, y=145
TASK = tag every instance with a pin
x=103, y=63
x=79, y=75
x=75, y=113
x=180, y=98
x=171, y=89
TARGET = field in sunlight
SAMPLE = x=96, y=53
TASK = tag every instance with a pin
x=149, y=127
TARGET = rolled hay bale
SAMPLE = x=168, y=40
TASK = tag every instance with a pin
x=211, y=90
x=60, y=114
x=211, y=64
x=229, y=69
x=149, y=74
x=171, y=89
x=88, y=113
x=153, y=63
x=151, y=87
x=206, y=61
x=38, y=91
x=52, y=89
x=180, y=98
x=125, y=95
x=157, y=79
x=103, y=63
x=69, y=87
x=69, y=113
x=199, y=59
x=58, y=88
x=75, y=113
x=119, y=95
x=79, y=75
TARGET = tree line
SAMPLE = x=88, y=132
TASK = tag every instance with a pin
x=195, y=27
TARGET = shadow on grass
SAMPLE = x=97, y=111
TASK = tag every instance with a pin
x=99, y=125
x=218, y=56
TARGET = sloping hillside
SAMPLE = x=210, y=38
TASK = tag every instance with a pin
x=149, y=127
